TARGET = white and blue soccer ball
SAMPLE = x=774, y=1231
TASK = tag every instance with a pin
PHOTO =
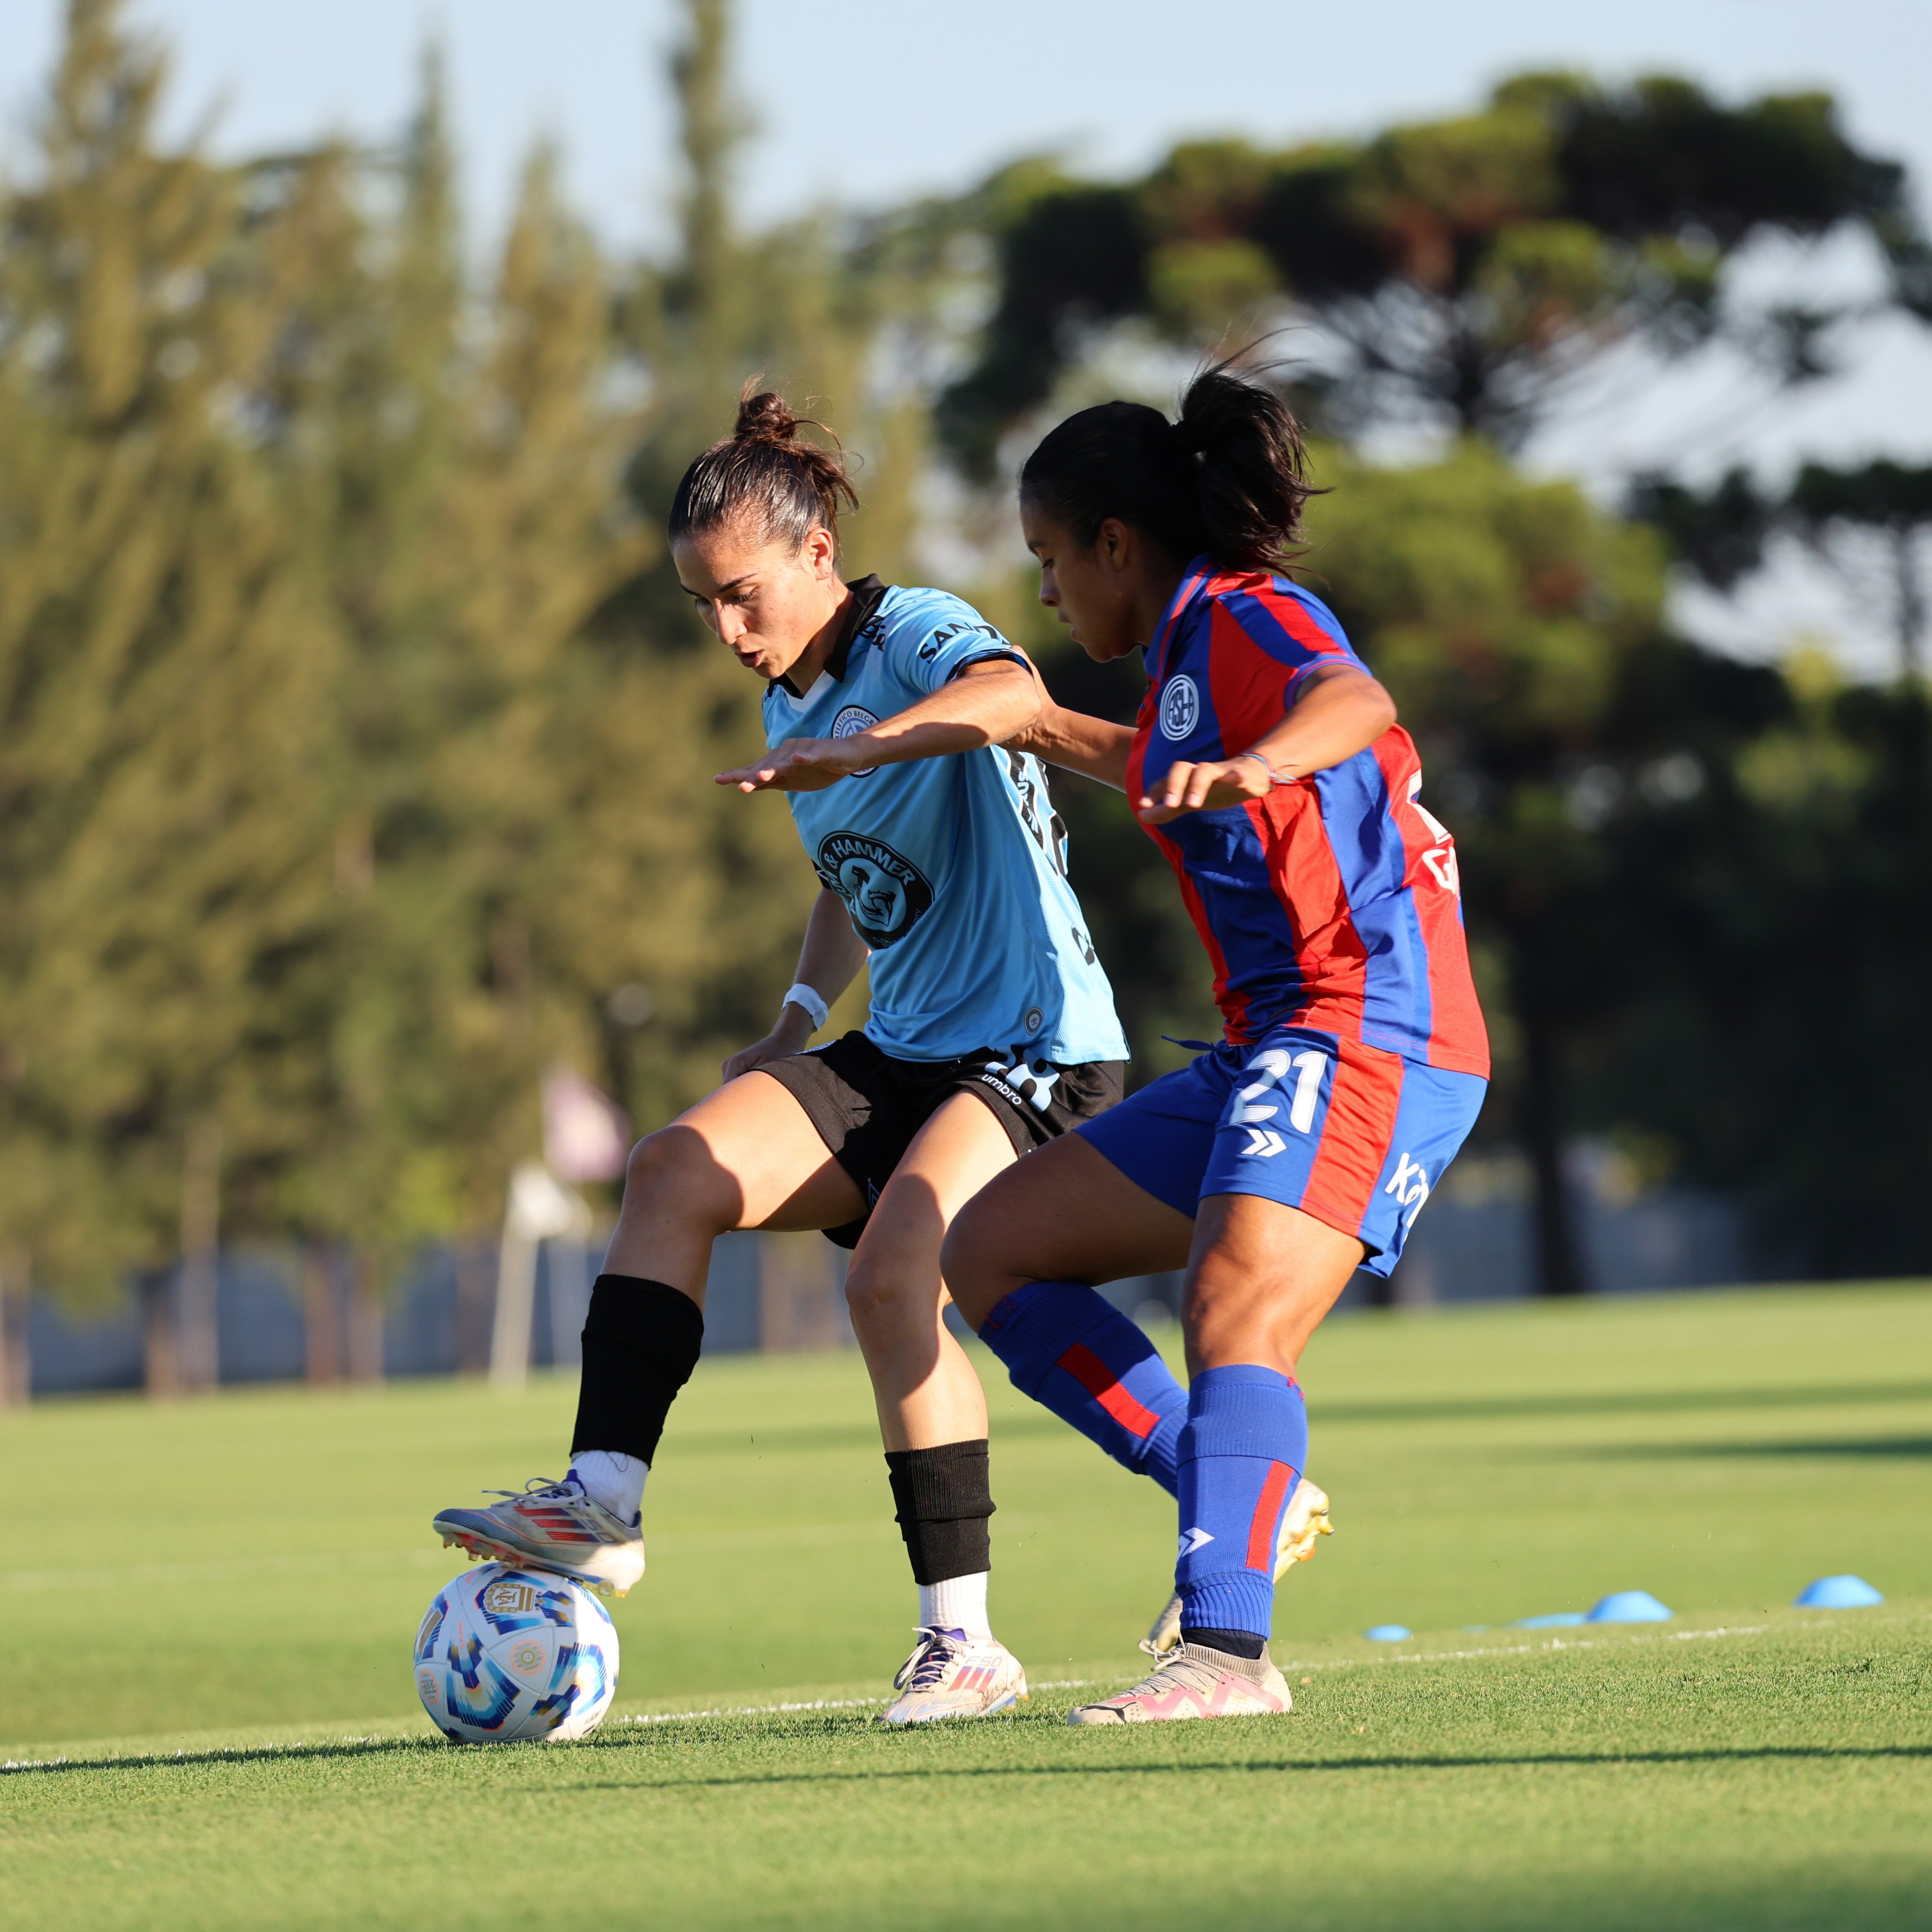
x=506, y=1654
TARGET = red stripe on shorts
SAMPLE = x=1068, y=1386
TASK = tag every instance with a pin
x=1099, y=1381
x=1267, y=1512
x=1363, y=1099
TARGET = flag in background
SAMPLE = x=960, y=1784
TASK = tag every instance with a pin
x=586, y=1134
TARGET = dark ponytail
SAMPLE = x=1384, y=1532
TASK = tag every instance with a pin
x=1229, y=478
x=784, y=488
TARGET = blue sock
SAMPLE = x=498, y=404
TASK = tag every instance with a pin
x=1241, y=1454
x=1065, y=1346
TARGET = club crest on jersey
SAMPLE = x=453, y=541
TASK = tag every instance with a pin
x=850, y=722
x=885, y=894
x=1179, y=706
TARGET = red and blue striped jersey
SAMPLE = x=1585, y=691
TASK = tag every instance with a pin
x=1333, y=902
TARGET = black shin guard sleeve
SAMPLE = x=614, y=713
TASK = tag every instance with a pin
x=942, y=1498
x=641, y=1340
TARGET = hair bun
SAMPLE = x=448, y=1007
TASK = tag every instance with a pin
x=763, y=418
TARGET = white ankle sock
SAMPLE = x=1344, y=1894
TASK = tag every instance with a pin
x=959, y=1604
x=609, y=1477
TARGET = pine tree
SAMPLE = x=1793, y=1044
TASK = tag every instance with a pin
x=153, y=726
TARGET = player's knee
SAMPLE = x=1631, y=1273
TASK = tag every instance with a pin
x=971, y=1265
x=673, y=1173
x=866, y=1290
x=875, y=1291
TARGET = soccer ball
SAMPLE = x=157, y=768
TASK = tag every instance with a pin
x=507, y=1654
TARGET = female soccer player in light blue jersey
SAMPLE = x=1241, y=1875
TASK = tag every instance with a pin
x=991, y=1031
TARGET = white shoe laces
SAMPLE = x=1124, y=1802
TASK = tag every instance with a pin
x=928, y=1664
x=542, y=1486
x=1174, y=1669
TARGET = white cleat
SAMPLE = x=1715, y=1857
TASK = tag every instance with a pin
x=551, y=1526
x=1191, y=1682
x=1304, y=1521
x=950, y=1674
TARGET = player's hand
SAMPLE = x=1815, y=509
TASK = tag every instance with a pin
x=1185, y=788
x=791, y=1035
x=802, y=764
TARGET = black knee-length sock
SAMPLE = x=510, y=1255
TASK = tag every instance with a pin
x=641, y=1340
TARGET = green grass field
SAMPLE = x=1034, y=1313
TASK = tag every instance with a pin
x=206, y=1610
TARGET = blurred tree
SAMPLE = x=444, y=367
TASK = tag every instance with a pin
x=1459, y=271
x=1775, y=1044
x=154, y=725
x=1890, y=501
x=1724, y=533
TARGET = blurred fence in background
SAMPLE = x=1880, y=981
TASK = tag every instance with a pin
x=281, y=1316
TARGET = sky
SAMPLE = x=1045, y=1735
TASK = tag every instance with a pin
x=872, y=101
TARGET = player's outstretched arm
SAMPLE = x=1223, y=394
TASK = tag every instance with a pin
x=1076, y=742
x=828, y=962
x=986, y=704
x=1337, y=711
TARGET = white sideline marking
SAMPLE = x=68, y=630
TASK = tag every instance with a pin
x=811, y=1704
x=1519, y=1649
x=750, y=1710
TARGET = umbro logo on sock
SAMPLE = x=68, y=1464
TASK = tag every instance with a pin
x=1192, y=1540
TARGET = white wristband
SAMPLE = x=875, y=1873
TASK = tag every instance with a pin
x=803, y=996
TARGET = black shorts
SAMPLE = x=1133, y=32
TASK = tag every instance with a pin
x=867, y=1105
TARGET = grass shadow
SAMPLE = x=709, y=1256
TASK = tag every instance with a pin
x=54, y=1767
x=1626, y=1402
x=1366, y=1761
x=864, y=1435
x=1910, y=1448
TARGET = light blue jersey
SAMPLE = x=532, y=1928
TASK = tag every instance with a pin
x=954, y=869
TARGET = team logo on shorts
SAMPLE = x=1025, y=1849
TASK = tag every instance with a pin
x=887, y=894
x=1179, y=707
x=1409, y=1184
x=850, y=722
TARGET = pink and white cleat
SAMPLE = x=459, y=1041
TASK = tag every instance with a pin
x=550, y=1526
x=1190, y=1681
x=950, y=1674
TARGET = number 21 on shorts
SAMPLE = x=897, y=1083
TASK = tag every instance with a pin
x=1273, y=1065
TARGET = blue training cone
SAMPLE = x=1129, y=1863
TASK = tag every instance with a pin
x=1554, y=1620
x=1628, y=1606
x=1837, y=1593
x=1387, y=1633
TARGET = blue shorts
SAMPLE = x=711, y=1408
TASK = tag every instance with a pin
x=1355, y=1136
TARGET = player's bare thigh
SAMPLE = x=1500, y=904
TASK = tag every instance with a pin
x=745, y=1156
x=1063, y=1214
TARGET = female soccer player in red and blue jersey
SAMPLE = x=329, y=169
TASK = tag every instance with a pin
x=1267, y=765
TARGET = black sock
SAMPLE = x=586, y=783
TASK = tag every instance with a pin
x=1235, y=1643
x=640, y=1343
x=943, y=1500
